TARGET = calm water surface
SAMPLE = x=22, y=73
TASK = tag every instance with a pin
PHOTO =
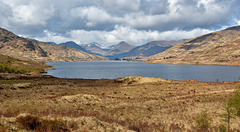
x=116, y=69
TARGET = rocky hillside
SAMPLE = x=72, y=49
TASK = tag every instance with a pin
x=222, y=47
x=27, y=49
x=65, y=53
x=18, y=47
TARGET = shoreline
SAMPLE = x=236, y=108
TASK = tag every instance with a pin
x=11, y=76
x=162, y=62
x=188, y=63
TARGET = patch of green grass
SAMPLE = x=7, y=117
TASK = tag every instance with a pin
x=6, y=68
x=203, y=120
x=11, y=65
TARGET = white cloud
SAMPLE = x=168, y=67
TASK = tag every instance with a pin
x=31, y=15
x=5, y=13
x=185, y=14
x=121, y=33
x=205, y=2
x=177, y=34
x=130, y=35
x=53, y=37
x=111, y=21
x=120, y=6
x=94, y=15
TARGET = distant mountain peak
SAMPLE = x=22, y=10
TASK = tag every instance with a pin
x=123, y=47
x=68, y=43
x=53, y=43
x=72, y=44
x=123, y=42
x=94, y=45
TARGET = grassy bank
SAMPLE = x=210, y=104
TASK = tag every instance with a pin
x=11, y=65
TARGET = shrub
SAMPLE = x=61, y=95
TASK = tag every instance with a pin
x=33, y=123
x=29, y=122
x=203, y=120
x=2, y=128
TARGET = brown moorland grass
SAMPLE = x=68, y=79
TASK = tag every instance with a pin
x=131, y=103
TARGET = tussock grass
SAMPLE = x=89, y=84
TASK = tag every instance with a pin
x=15, y=81
x=34, y=123
x=98, y=104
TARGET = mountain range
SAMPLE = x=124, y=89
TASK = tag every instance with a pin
x=221, y=47
x=124, y=49
x=28, y=49
x=148, y=49
x=113, y=50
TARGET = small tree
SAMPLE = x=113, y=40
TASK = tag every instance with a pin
x=203, y=120
x=228, y=115
x=232, y=108
x=234, y=101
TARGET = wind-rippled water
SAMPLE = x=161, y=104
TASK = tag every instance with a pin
x=116, y=69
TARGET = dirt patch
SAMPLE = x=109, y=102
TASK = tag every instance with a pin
x=84, y=98
x=140, y=80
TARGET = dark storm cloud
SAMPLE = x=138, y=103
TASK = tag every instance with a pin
x=110, y=21
x=5, y=13
x=154, y=7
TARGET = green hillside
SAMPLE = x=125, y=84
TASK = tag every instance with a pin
x=11, y=65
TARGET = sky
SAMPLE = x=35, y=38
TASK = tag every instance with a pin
x=108, y=22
